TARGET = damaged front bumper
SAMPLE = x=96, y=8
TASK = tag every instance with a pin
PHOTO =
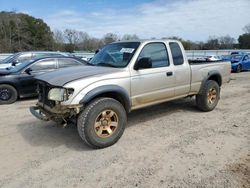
x=35, y=111
x=57, y=113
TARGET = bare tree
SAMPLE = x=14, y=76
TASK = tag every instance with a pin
x=247, y=28
x=83, y=40
x=130, y=37
x=212, y=43
x=72, y=36
x=109, y=38
x=58, y=36
x=227, y=42
x=58, y=40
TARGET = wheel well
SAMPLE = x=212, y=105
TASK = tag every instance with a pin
x=117, y=96
x=216, y=78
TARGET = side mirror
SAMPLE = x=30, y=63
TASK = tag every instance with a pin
x=14, y=63
x=143, y=63
x=28, y=70
x=97, y=51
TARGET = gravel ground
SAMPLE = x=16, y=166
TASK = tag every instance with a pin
x=168, y=145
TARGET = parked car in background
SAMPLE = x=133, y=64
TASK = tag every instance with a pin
x=240, y=63
x=201, y=58
x=238, y=53
x=213, y=58
x=207, y=58
x=26, y=56
x=19, y=82
x=226, y=57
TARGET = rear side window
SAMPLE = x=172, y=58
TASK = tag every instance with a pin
x=42, y=65
x=68, y=63
x=176, y=53
x=158, y=54
x=24, y=57
x=41, y=55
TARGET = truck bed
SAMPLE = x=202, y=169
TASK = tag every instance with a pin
x=200, y=69
x=195, y=62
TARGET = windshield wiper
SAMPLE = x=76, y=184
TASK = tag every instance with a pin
x=105, y=64
x=88, y=63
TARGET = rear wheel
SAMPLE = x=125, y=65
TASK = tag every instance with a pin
x=102, y=123
x=8, y=94
x=238, y=69
x=208, y=99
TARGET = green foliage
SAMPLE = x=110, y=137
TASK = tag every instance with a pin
x=21, y=32
x=244, y=41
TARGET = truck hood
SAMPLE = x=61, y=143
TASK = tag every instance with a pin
x=62, y=76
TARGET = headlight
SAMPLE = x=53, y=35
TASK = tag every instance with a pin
x=59, y=94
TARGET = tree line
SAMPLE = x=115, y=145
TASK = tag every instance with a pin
x=22, y=32
x=72, y=40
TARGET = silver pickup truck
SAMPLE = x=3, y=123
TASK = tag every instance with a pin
x=122, y=77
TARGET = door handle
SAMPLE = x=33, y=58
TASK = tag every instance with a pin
x=169, y=73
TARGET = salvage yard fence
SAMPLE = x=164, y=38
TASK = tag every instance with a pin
x=191, y=54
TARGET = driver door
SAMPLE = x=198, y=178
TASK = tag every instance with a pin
x=155, y=84
x=27, y=78
x=246, y=63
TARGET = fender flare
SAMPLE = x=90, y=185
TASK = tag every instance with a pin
x=211, y=75
x=102, y=90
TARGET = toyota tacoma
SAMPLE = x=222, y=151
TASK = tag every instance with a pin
x=121, y=77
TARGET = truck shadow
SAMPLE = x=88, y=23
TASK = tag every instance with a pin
x=164, y=109
x=52, y=135
x=49, y=134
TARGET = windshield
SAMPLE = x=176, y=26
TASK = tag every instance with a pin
x=19, y=66
x=115, y=55
x=237, y=57
x=9, y=59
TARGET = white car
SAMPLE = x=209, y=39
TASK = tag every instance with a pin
x=213, y=58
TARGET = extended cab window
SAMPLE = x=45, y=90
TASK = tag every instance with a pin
x=46, y=64
x=158, y=54
x=67, y=63
x=176, y=53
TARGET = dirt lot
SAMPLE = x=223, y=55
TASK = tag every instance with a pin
x=169, y=145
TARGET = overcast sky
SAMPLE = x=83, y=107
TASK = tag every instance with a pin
x=190, y=19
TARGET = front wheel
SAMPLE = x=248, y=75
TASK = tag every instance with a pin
x=8, y=94
x=102, y=122
x=238, y=69
x=208, y=99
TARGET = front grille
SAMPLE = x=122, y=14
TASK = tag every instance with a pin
x=43, y=90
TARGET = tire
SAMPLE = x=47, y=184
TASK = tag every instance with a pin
x=8, y=94
x=238, y=69
x=209, y=97
x=102, y=122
